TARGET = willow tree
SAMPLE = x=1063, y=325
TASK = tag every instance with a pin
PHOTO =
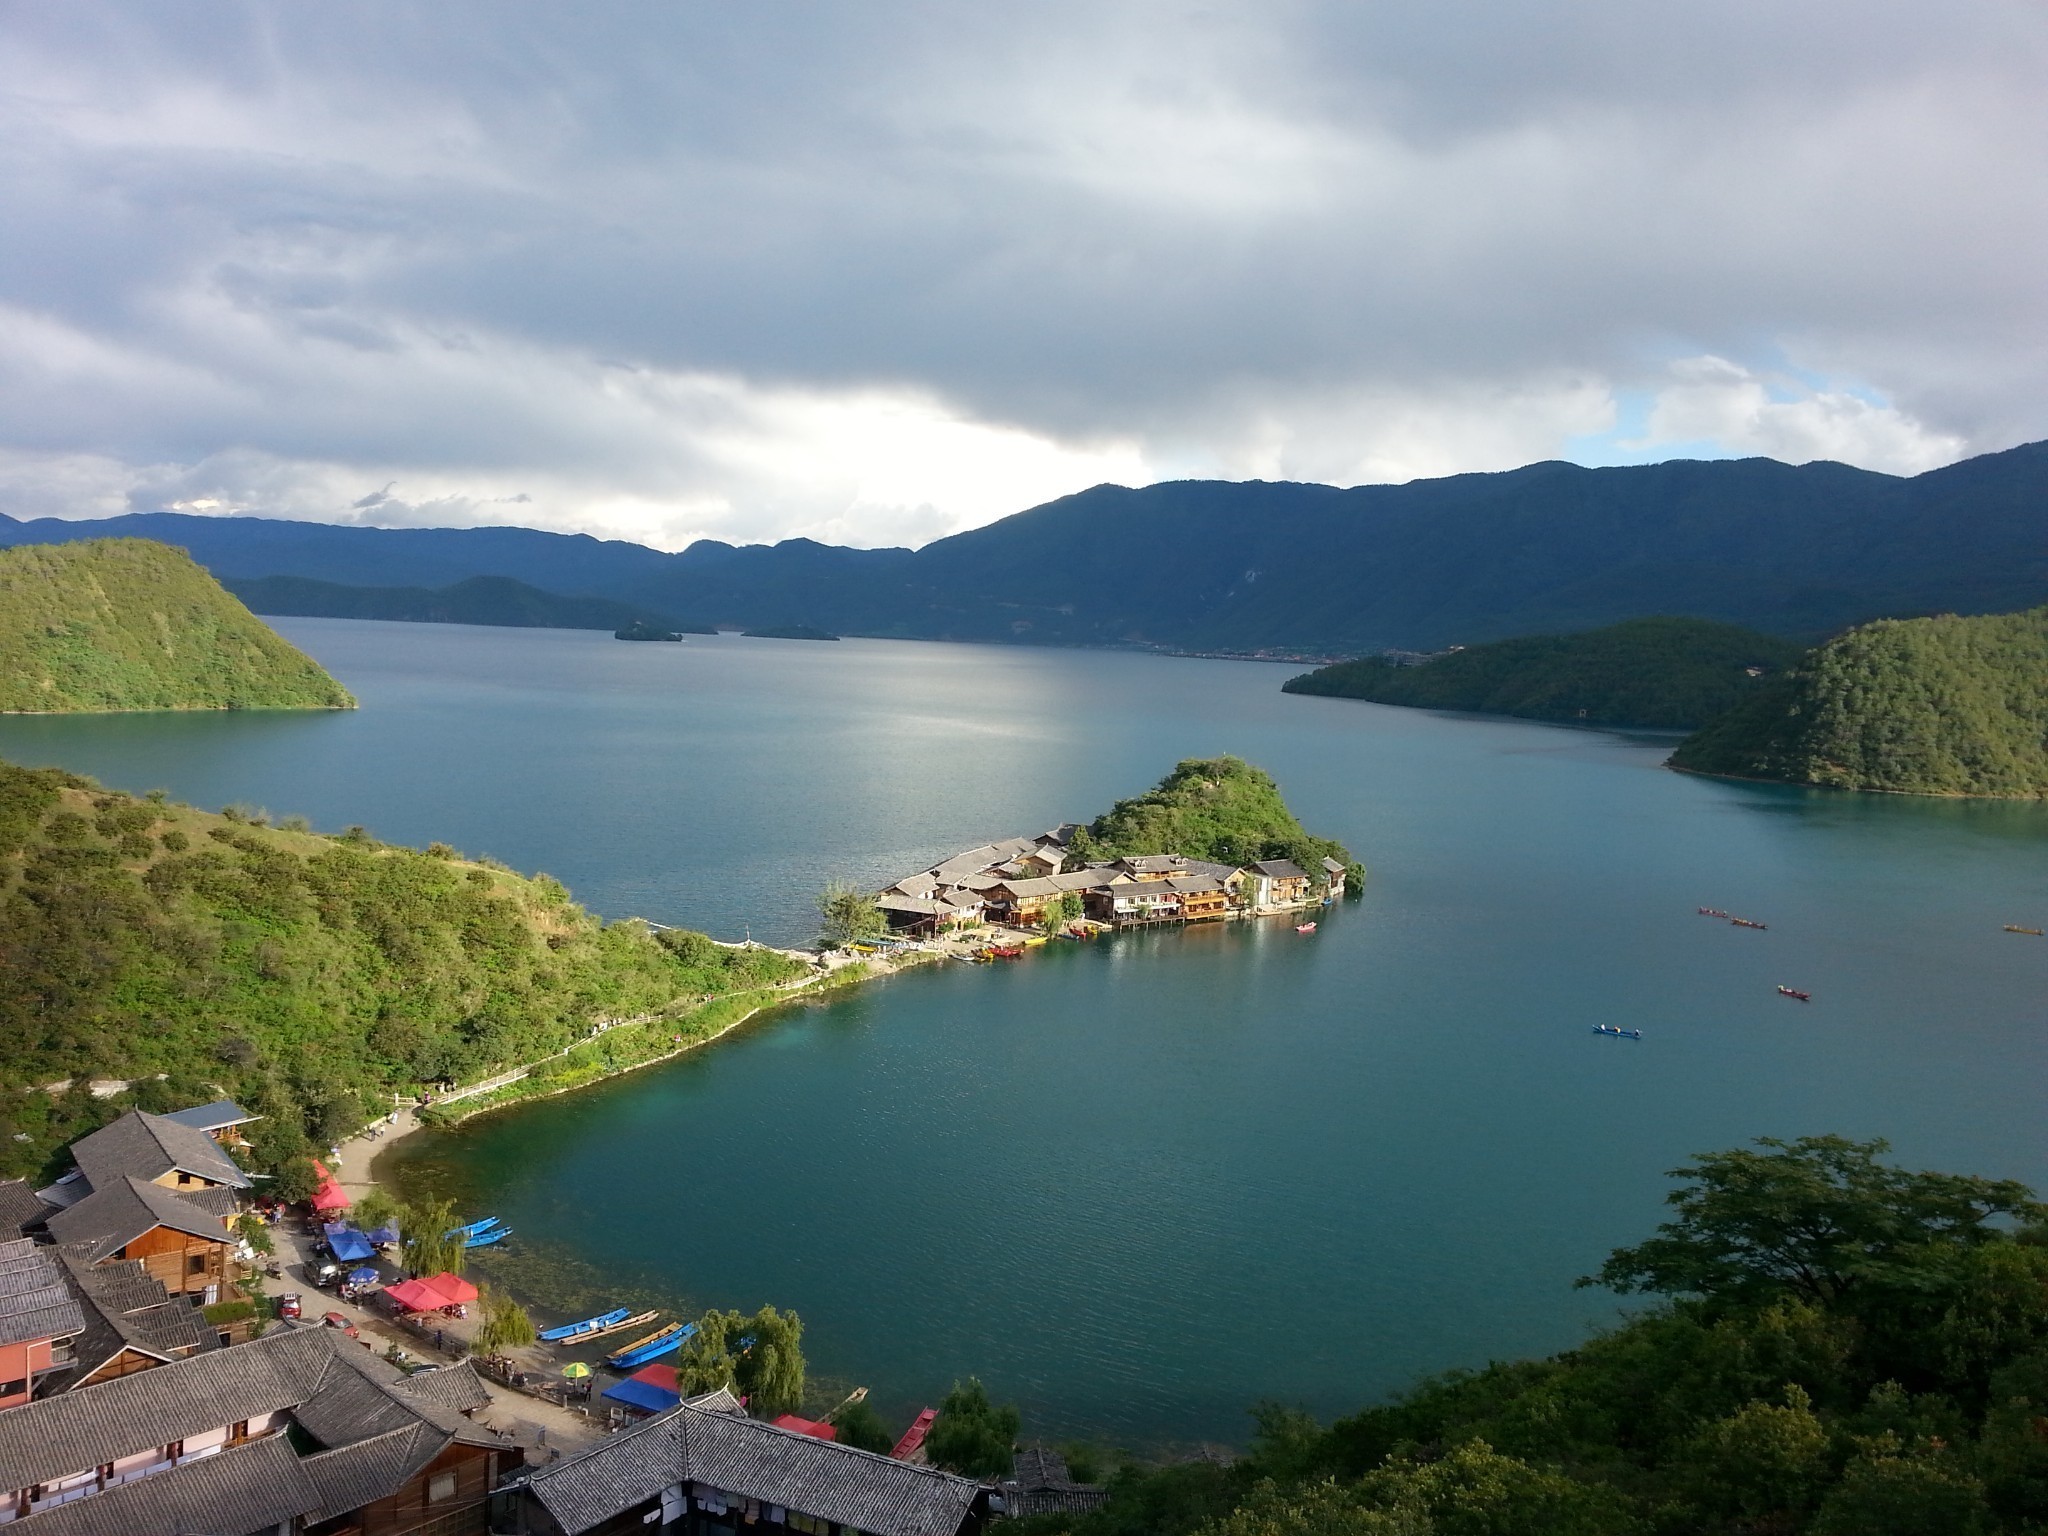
x=505, y=1324
x=431, y=1242
x=758, y=1357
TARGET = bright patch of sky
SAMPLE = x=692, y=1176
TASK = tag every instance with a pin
x=875, y=274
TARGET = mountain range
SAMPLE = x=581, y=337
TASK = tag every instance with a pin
x=1798, y=551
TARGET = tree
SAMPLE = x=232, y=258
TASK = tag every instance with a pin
x=376, y=1207
x=255, y=1231
x=1761, y=1461
x=1062, y=912
x=1819, y=1218
x=758, y=1356
x=1314, y=1509
x=862, y=1428
x=427, y=1250
x=706, y=1360
x=971, y=1435
x=850, y=914
x=1884, y=1493
x=295, y=1181
x=505, y=1323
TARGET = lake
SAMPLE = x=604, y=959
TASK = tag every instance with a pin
x=1136, y=1185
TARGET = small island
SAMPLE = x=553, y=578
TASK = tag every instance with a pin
x=642, y=629
x=129, y=624
x=788, y=632
x=1660, y=673
x=1212, y=841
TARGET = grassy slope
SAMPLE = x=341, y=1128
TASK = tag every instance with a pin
x=306, y=976
x=1221, y=809
x=1663, y=672
x=126, y=624
x=1944, y=706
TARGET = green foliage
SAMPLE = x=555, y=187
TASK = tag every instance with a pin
x=113, y=624
x=1942, y=706
x=221, y=1313
x=504, y=1324
x=255, y=1231
x=1221, y=810
x=431, y=1243
x=478, y=600
x=862, y=1428
x=1665, y=672
x=759, y=1356
x=850, y=914
x=1849, y=1347
x=971, y=1435
x=309, y=978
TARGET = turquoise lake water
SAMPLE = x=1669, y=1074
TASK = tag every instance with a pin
x=1138, y=1184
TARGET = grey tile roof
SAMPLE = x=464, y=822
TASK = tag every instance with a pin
x=221, y=1203
x=454, y=1387
x=35, y=1303
x=145, y=1146
x=217, y=1116
x=19, y=1208
x=1280, y=869
x=1333, y=867
x=250, y=1488
x=351, y=1476
x=755, y=1461
x=118, y=1212
x=126, y=1309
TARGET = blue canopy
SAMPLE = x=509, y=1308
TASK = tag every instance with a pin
x=644, y=1395
x=364, y=1276
x=349, y=1244
x=384, y=1234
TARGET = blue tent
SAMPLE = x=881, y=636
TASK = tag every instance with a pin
x=384, y=1234
x=348, y=1243
x=644, y=1395
x=367, y=1275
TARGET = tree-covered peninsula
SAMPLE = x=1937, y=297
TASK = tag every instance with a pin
x=1841, y=1347
x=1219, y=809
x=1940, y=706
x=120, y=624
x=308, y=977
x=1668, y=673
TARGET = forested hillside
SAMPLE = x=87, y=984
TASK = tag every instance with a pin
x=493, y=600
x=1794, y=550
x=306, y=976
x=1844, y=1348
x=116, y=624
x=1221, y=809
x=1661, y=672
x=1944, y=706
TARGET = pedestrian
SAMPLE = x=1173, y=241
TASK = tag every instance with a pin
x=543, y=1437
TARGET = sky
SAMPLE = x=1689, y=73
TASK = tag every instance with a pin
x=875, y=271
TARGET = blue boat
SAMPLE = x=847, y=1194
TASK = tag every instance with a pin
x=485, y=1239
x=474, y=1229
x=589, y=1325
x=653, y=1347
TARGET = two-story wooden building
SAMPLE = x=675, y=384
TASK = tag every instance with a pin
x=182, y=1246
x=39, y=1317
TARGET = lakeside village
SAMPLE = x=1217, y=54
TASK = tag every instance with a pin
x=150, y=1384
x=148, y=1387
x=994, y=901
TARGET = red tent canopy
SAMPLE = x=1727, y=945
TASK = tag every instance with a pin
x=328, y=1197
x=454, y=1287
x=662, y=1376
x=416, y=1296
x=817, y=1429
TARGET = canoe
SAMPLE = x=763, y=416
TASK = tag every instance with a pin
x=472, y=1229
x=485, y=1239
x=638, y=1320
x=653, y=1347
x=589, y=1325
x=2015, y=928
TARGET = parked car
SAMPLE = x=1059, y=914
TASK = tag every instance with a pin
x=288, y=1305
x=336, y=1320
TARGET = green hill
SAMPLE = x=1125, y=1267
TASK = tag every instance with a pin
x=492, y=600
x=1221, y=809
x=307, y=977
x=116, y=624
x=1663, y=672
x=1942, y=706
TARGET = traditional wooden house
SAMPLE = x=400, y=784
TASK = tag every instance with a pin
x=179, y=1242
x=1333, y=878
x=223, y=1120
x=1023, y=903
x=132, y=1323
x=1200, y=897
x=158, y=1149
x=38, y=1318
x=707, y=1470
x=300, y=1431
x=1279, y=883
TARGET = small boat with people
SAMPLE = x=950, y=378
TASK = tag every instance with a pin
x=2016, y=928
x=661, y=1342
x=1743, y=922
x=1617, y=1032
x=474, y=1229
x=485, y=1239
x=1304, y=927
x=585, y=1329
x=1804, y=997
x=1004, y=951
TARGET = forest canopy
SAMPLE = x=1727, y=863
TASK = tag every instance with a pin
x=1221, y=809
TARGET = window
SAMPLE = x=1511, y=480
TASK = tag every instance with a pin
x=440, y=1487
x=195, y=1264
x=13, y=1388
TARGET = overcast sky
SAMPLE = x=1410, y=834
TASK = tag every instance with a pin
x=875, y=271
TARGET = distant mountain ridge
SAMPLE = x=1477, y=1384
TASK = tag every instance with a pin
x=1798, y=551
x=493, y=600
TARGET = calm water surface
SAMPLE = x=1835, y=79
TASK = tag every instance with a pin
x=1138, y=1184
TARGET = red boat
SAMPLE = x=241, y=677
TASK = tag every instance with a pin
x=1712, y=912
x=1804, y=997
x=1006, y=951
